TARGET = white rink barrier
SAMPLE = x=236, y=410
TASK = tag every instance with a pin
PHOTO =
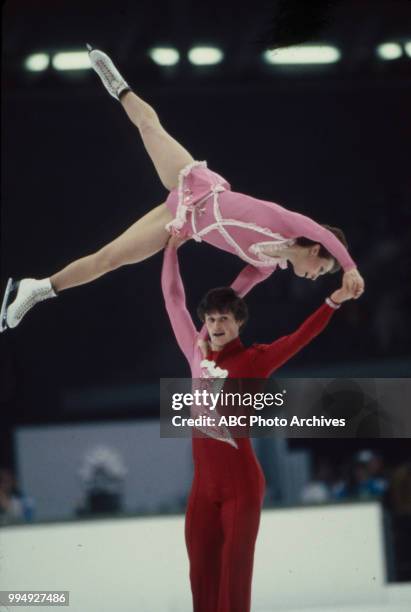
x=328, y=557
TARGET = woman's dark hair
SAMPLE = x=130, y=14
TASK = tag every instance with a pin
x=223, y=299
x=306, y=242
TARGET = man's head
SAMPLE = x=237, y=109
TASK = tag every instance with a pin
x=312, y=259
x=224, y=314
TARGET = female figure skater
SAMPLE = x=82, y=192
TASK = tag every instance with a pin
x=224, y=506
x=200, y=205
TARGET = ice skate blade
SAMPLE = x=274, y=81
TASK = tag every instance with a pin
x=4, y=306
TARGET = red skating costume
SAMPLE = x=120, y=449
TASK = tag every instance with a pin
x=225, y=502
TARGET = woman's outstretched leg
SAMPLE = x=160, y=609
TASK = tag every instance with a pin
x=141, y=240
x=167, y=155
x=144, y=238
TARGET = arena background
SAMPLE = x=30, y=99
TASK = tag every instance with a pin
x=332, y=142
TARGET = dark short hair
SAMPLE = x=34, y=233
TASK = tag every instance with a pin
x=223, y=299
x=338, y=233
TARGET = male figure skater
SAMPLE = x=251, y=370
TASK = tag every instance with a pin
x=224, y=507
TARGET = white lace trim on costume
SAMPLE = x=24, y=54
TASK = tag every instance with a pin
x=185, y=204
x=183, y=200
x=279, y=246
x=332, y=304
x=213, y=370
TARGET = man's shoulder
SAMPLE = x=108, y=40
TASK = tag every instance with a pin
x=258, y=347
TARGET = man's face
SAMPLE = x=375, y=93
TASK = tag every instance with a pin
x=308, y=264
x=222, y=327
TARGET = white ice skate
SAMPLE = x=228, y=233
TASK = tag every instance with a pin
x=108, y=73
x=20, y=296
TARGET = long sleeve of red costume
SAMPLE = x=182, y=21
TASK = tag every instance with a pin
x=175, y=301
x=271, y=356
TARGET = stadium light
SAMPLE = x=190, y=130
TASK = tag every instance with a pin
x=71, y=60
x=303, y=54
x=37, y=62
x=407, y=47
x=164, y=56
x=205, y=56
x=389, y=51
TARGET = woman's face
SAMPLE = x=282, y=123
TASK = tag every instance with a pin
x=308, y=264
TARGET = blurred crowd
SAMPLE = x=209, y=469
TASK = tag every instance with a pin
x=363, y=477
x=14, y=505
x=366, y=477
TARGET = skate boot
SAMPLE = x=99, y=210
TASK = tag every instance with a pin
x=20, y=296
x=108, y=73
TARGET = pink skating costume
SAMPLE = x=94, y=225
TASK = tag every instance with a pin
x=205, y=208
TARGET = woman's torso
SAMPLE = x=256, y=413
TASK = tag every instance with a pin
x=229, y=220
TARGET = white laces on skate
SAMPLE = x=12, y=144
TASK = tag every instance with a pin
x=106, y=72
x=36, y=296
x=28, y=296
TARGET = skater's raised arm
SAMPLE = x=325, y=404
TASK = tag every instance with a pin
x=174, y=297
x=272, y=356
x=249, y=277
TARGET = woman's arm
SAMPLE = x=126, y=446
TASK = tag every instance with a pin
x=249, y=277
x=174, y=297
x=295, y=225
